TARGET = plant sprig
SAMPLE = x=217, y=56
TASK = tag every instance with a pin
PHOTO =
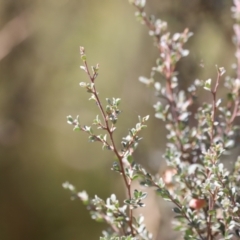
x=205, y=194
x=129, y=143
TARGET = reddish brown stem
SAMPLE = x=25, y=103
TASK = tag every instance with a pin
x=110, y=132
x=214, y=106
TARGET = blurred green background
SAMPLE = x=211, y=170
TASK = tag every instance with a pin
x=39, y=77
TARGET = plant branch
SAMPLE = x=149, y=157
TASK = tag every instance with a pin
x=168, y=72
x=214, y=106
x=109, y=130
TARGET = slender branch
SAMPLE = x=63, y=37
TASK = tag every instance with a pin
x=235, y=111
x=214, y=106
x=168, y=72
x=104, y=216
x=109, y=130
x=211, y=196
x=180, y=207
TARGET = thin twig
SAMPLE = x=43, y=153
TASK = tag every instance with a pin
x=212, y=197
x=169, y=70
x=180, y=207
x=110, y=133
x=214, y=106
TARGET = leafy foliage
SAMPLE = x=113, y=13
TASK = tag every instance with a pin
x=205, y=194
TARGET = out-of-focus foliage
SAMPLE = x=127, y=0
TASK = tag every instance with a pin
x=39, y=69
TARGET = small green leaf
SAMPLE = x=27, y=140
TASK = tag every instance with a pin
x=136, y=193
x=177, y=210
x=84, y=57
x=207, y=84
x=69, y=119
x=117, y=101
x=76, y=128
x=130, y=159
x=145, y=118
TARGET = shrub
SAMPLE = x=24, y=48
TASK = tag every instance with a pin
x=204, y=193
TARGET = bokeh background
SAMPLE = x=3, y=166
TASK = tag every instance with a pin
x=39, y=77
